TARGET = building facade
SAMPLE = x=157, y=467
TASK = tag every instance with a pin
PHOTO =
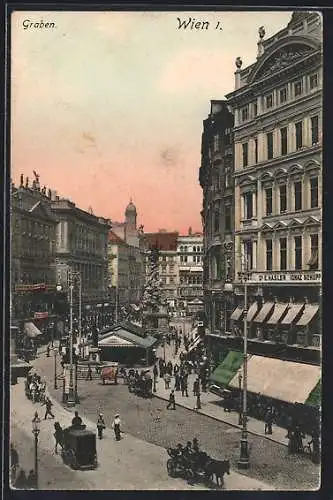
x=33, y=251
x=216, y=180
x=82, y=246
x=190, y=273
x=277, y=104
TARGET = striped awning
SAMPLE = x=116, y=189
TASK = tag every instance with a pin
x=310, y=310
x=31, y=330
x=279, y=310
x=195, y=344
x=293, y=311
x=237, y=313
x=264, y=312
x=252, y=311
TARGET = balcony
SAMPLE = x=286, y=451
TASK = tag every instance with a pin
x=249, y=223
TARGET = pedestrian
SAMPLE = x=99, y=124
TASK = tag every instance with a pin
x=58, y=436
x=48, y=351
x=177, y=382
x=48, y=404
x=167, y=380
x=155, y=371
x=31, y=480
x=269, y=422
x=100, y=425
x=172, y=401
x=14, y=462
x=116, y=426
x=76, y=420
x=21, y=480
x=89, y=373
x=195, y=387
x=198, y=405
x=183, y=385
x=175, y=369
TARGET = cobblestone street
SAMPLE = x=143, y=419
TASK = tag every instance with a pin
x=150, y=421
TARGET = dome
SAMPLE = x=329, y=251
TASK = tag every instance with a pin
x=130, y=209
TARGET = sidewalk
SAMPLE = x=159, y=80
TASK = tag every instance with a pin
x=131, y=464
x=209, y=403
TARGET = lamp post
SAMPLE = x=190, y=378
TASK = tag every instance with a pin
x=240, y=398
x=243, y=462
x=35, y=431
x=154, y=389
x=55, y=368
x=71, y=398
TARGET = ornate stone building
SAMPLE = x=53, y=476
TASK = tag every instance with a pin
x=277, y=104
x=216, y=180
x=33, y=250
x=189, y=263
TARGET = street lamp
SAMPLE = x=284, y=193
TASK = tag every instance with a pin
x=243, y=462
x=71, y=398
x=35, y=431
x=240, y=398
x=154, y=389
x=55, y=368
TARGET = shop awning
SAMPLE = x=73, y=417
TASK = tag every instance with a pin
x=237, y=313
x=252, y=311
x=279, y=310
x=292, y=313
x=264, y=312
x=227, y=369
x=195, y=344
x=310, y=310
x=31, y=330
x=284, y=380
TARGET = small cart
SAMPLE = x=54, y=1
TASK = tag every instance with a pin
x=79, y=448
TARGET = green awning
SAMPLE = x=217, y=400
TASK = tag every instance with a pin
x=314, y=398
x=228, y=368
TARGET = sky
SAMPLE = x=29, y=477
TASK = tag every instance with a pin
x=108, y=106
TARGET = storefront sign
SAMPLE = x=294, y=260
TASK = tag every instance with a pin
x=285, y=277
x=30, y=288
x=41, y=315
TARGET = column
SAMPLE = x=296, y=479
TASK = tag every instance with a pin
x=238, y=156
x=259, y=104
x=306, y=249
x=290, y=251
x=290, y=195
x=242, y=208
x=276, y=143
x=291, y=137
x=238, y=207
x=261, y=147
x=254, y=254
x=275, y=252
x=259, y=201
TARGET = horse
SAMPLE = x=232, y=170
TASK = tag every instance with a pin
x=217, y=468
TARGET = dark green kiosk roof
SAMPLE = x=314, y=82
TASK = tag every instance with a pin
x=226, y=370
x=314, y=398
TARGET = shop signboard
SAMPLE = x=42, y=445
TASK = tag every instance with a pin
x=284, y=277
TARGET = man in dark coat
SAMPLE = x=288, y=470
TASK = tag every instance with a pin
x=76, y=421
x=172, y=400
x=48, y=404
x=196, y=387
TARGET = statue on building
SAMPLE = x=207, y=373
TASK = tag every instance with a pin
x=27, y=182
x=44, y=191
x=36, y=184
x=21, y=181
x=238, y=62
x=261, y=32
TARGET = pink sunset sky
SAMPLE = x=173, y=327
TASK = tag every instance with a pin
x=109, y=106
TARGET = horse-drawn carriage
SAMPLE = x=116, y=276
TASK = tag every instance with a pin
x=141, y=386
x=79, y=448
x=196, y=465
x=35, y=391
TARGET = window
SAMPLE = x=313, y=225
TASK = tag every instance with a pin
x=284, y=140
x=298, y=88
x=299, y=134
x=313, y=81
x=314, y=192
x=298, y=252
x=313, y=262
x=283, y=95
x=314, y=130
x=227, y=218
x=298, y=195
x=245, y=154
x=216, y=143
x=269, y=255
x=245, y=113
x=254, y=109
x=256, y=150
x=248, y=207
x=185, y=249
x=269, y=201
x=283, y=198
x=227, y=177
x=269, y=101
x=216, y=221
x=269, y=138
x=248, y=255
x=283, y=254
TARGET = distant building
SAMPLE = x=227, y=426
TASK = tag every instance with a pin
x=128, y=229
x=190, y=273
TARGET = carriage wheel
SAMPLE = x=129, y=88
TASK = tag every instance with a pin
x=171, y=468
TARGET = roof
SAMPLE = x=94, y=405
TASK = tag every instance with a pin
x=114, y=238
x=161, y=240
x=131, y=208
x=128, y=339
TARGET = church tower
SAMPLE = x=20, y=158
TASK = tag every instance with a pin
x=131, y=232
